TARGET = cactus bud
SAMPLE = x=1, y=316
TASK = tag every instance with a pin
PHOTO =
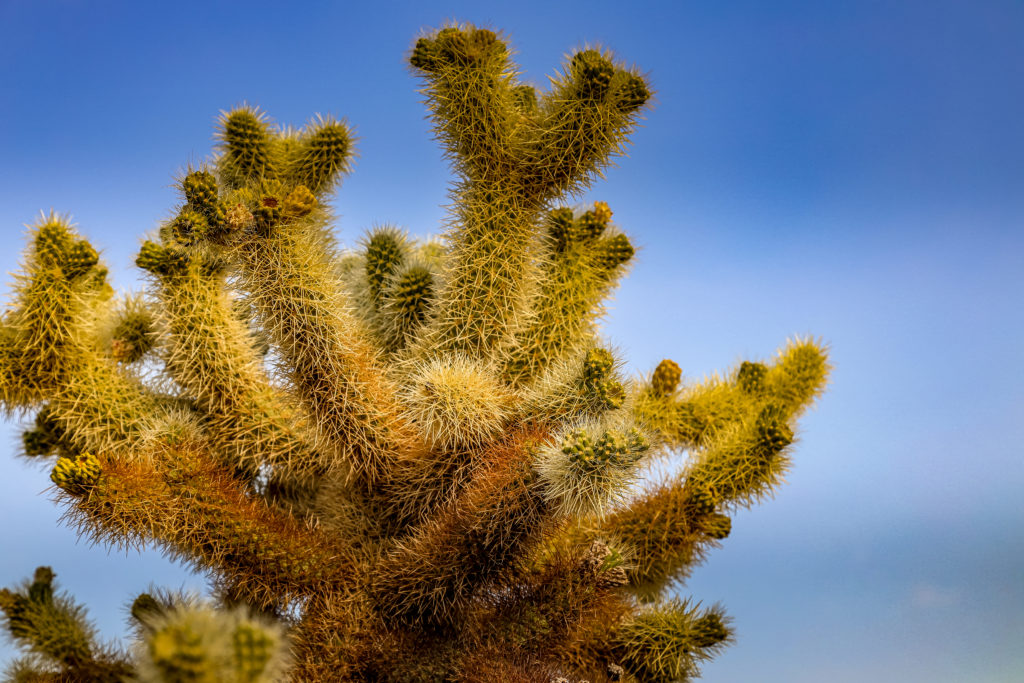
x=79, y=259
x=76, y=475
x=750, y=377
x=322, y=155
x=245, y=138
x=613, y=252
x=52, y=242
x=666, y=378
x=632, y=94
x=384, y=254
x=267, y=214
x=251, y=650
x=299, y=202
x=593, y=73
x=189, y=227
x=718, y=526
x=773, y=432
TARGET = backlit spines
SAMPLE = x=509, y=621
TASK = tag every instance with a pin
x=321, y=156
x=330, y=361
x=210, y=354
x=589, y=466
x=574, y=280
x=246, y=150
x=667, y=642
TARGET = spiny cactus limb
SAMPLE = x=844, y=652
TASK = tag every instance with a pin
x=61, y=279
x=490, y=273
x=429, y=576
x=55, y=630
x=209, y=354
x=575, y=276
x=536, y=610
x=667, y=642
x=695, y=416
x=668, y=529
x=198, y=513
x=289, y=281
x=469, y=89
x=583, y=121
x=320, y=156
x=246, y=147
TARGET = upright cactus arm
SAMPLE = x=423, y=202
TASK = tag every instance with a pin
x=209, y=354
x=580, y=266
x=582, y=121
x=470, y=87
x=326, y=356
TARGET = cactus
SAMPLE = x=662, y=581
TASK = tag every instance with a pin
x=408, y=461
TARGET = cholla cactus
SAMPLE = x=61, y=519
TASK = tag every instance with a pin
x=413, y=461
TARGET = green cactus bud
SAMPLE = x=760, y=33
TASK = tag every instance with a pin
x=588, y=226
x=41, y=590
x=611, y=393
x=632, y=94
x=76, y=475
x=299, y=202
x=252, y=648
x=189, y=227
x=200, y=189
x=424, y=55
x=133, y=337
x=718, y=526
x=161, y=260
x=596, y=365
x=750, y=377
x=709, y=630
x=385, y=252
x=700, y=503
x=593, y=73
x=80, y=257
x=413, y=289
x=45, y=438
x=613, y=251
x=560, y=227
x=177, y=651
x=773, y=432
x=666, y=378
x=145, y=608
x=52, y=241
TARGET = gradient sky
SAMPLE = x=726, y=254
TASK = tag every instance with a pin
x=850, y=170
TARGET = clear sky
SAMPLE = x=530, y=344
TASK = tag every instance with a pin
x=851, y=170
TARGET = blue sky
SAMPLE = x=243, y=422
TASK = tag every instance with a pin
x=851, y=170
